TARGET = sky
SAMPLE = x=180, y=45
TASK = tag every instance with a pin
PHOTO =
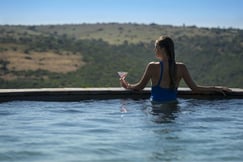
x=201, y=13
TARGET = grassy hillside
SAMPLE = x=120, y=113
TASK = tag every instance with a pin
x=89, y=55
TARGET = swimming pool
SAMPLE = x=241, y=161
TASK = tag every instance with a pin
x=121, y=130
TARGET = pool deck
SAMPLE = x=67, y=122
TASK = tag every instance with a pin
x=78, y=94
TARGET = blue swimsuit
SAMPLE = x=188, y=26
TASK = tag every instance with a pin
x=162, y=95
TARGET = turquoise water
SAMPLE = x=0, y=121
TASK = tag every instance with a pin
x=121, y=130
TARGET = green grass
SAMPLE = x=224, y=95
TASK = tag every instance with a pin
x=212, y=55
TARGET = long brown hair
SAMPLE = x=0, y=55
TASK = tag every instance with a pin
x=167, y=43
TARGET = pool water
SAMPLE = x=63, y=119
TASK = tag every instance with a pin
x=121, y=130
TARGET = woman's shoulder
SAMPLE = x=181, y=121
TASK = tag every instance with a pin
x=152, y=66
x=181, y=68
x=180, y=65
x=154, y=63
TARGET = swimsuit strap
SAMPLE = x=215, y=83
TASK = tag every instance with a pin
x=161, y=72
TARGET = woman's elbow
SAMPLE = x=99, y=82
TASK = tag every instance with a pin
x=194, y=88
x=139, y=88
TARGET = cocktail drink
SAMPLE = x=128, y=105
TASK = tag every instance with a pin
x=122, y=74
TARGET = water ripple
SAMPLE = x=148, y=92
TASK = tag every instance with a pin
x=201, y=130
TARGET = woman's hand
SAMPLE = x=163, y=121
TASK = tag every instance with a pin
x=222, y=90
x=124, y=83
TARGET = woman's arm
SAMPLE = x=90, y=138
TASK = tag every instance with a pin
x=197, y=88
x=141, y=84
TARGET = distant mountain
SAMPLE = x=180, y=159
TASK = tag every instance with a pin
x=89, y=55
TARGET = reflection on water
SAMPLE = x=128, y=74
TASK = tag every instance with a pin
x=123, y=108
x=156, y=135
x=163, y=113
x=121, y=130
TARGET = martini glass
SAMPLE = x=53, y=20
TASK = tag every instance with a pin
x=122, y=74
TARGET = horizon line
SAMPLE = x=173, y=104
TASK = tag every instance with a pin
x=137, y=23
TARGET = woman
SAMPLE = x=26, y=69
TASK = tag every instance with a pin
x=166, y=74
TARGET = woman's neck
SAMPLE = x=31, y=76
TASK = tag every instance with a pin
x=163, y=60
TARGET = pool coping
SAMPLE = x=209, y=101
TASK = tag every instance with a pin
x=78, y=94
